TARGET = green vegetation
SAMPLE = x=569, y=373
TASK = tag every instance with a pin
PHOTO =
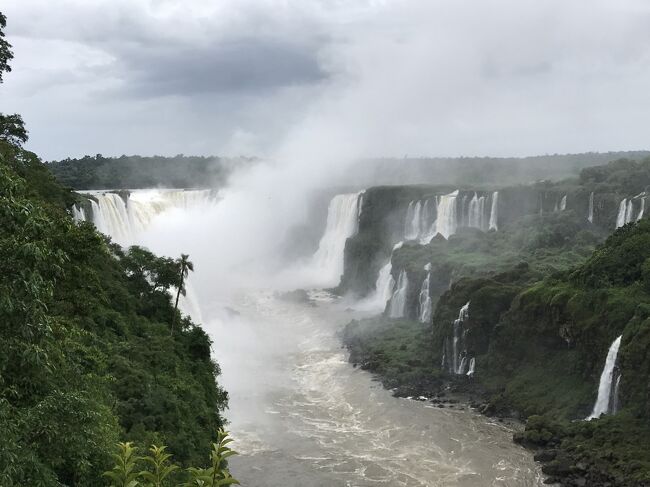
x=87, y=358
x=129, y=172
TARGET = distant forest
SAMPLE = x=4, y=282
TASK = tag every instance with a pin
x=497, y=171
x=129, y=172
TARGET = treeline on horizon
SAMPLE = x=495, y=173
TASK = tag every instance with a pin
x=487, y=171
x=131, y=172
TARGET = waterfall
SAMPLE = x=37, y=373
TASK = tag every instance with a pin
x=563, y=203
x=412, y=227
x=446, y=221
x=342, y=223
x=459, y=354
x=425, y=298
x=494, y=212
x=629, y=211
x=126, y=215
x=607, y=385
x=472, y=367
x=622, y=213
x=590, y=215
x=78, y=214
x=642, y=210
x=476, y=212
x=397, y=307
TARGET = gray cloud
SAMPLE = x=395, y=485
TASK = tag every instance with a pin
x=236, y=65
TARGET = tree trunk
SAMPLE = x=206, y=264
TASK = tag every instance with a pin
x=178, y=295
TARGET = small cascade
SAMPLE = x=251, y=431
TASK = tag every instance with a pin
x=126, y=215
x=476, y=212
x=641, y=210
x=459, y=354
x=412, y=227
x=563, y=203
x=472, y=367
x=424, y=298
x=342, y=223
x=626, y=212
x=608, y=385
x=446, y=221
x=384, y=286
x=78, y=214
x=590, y=214
x=397, y=306
x=620, y=217
x=419, y=220
x=615, y=398
x=494, y=212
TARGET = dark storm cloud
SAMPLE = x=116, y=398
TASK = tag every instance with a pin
x=247, y=65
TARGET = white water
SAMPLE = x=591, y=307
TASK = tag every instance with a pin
x=459, y=354
x=446, y=219
x=397, y=306
x=590, y=214
x=626, y=211
x=472, y=367
x=622, y=213
x=125, y=219
x=79, y=214
x=424, y=312
x=318, y=422
x=342, y=223
x=563, y=203
x=476, y=212
x=413, y=222
x=641, y=210
x=494, y=212
x=606, y=397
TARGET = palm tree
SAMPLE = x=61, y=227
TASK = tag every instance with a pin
x=185, y=267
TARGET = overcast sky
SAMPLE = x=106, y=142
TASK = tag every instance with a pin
x=374, y=77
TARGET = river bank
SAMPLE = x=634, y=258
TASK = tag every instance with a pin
x=395, y=354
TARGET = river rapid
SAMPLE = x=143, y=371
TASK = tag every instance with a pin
x=303, y=416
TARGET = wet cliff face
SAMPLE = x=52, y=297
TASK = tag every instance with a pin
x=386, y=211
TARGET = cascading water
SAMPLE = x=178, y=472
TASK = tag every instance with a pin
x=607, y=387
x=494, y=212
x=476, y=212
x=459, y=354
x=397, y=306
x=563, y=203
x=126, y=215
x=590, y=214
x=79, y=214
x=413, y=220
x=626, y=212
x=472, y=367
x=342, y=223
x=446, y=220
x=425, y=298
x=641, y=210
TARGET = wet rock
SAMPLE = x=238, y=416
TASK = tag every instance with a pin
x=545, y=455
x=557, y=468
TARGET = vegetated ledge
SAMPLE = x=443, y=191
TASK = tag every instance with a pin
x=539, y=354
